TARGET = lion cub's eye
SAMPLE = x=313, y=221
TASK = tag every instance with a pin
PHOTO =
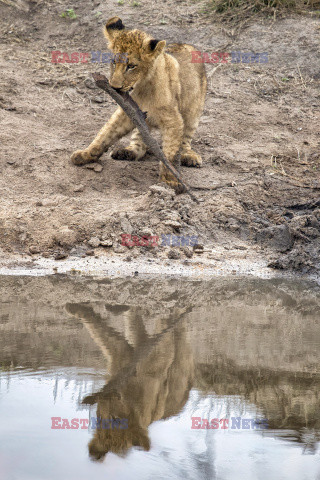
x=131, y=66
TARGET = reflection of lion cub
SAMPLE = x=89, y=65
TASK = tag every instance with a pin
x=150, y=376
x=165, y=84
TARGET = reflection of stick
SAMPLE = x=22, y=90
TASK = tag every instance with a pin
x=92, y=322
x=97, y=340
x=131, y=108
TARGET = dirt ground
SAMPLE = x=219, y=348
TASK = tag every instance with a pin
x=258, y=136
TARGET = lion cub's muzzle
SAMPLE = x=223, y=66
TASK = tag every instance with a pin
x=122, y=89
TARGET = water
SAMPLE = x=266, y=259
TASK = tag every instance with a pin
x=153, y=354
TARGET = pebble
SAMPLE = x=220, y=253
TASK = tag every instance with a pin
x=78, y=188
x=119, y=249
x=106, y=243
x=60, y=256
x=162, y=191
x=125, y=225
x=198, y=248
x=98, y=99
x=187, y=251
x=94, y=242
x=34, y=249
x=90, y=83
x=65, y=236
x=174, y=254
x=97, y=167
x=173, y=223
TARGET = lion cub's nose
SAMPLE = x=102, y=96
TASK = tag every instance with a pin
x=116, y=83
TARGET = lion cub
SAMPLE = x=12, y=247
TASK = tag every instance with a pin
x=165, y=84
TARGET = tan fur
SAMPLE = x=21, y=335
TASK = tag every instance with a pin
x=149, y=377
x=165, y=84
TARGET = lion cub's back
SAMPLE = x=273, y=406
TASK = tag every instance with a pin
x=192, y=75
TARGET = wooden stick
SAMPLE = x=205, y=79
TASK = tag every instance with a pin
x=138, y=118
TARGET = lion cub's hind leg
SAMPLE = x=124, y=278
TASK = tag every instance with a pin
x=189, y=158
x=134, y=151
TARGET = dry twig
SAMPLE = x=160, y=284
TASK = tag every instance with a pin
x=131, y=108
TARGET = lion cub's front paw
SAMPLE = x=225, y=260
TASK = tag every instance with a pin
x=81, y=157
x=191, y=159
x=167, y=177
x=123, y=154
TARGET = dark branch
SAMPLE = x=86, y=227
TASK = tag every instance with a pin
x=132, y=110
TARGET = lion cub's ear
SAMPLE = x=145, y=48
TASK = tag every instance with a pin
x=155, y=47
x=113, y=26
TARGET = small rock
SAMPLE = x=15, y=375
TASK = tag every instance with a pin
x=65, y=236
x=90, y=253
x=233, y=227
x=11, y=162
x=145, y=232
x=119, y=249
x=106, y=243
x=33, y=249
x=45, y=254
x=90, y=83
x=78, y=188
x=174, y=254
x=98, y=99
x=128, y=258
x=162, y=191
x=173, y=223
x=198, y=248
x=94, y=166
x=78, y=251
x=23, y=237
x=125, y=225
x=241, y=247
x=279, y=237
x=61, y=256
x=98, y=168
x=187, y=251
x=94, y=242
x=314, y=222
x=50, y=202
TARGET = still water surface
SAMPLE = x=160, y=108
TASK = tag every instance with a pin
x=155, y=354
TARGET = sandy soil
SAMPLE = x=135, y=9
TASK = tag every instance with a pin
x=259, y=138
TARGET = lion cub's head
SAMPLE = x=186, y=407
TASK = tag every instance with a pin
x=138, y=48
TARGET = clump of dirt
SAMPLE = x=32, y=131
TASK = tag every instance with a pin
x=258, y=136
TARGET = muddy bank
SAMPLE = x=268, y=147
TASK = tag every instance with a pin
x=258, y=136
